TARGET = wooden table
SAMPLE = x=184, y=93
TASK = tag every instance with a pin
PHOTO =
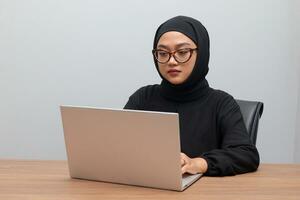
x=25, y=179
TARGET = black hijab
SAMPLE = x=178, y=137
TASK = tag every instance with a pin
x=195, y=85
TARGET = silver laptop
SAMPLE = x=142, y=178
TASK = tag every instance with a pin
x=131, y=147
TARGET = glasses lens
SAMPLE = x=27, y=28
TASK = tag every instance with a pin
x=162, y=56
x=183, y=55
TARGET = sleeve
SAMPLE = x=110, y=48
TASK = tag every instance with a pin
x=237, y=153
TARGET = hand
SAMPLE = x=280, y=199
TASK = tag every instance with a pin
x=192, y=165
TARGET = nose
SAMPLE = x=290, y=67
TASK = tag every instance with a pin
x=172, y=61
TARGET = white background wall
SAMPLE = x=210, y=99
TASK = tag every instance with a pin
x=297, y=63
x=97, y=53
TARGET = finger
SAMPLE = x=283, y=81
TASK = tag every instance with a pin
x=182, y=162
x=183, y=155
x=186, y=160
x=184, y=169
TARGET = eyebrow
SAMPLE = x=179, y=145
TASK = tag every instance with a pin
x=176, y=46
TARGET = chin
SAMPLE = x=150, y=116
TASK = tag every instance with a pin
x=175, y=82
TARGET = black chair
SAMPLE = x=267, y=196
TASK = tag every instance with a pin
x=251, y=112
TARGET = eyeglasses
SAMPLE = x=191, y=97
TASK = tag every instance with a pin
x=180, y=55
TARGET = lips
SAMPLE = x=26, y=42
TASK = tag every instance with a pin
x=173, y=71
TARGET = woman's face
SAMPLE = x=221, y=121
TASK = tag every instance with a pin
x=174, y=71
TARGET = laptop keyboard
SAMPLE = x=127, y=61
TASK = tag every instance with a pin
x=187, y=179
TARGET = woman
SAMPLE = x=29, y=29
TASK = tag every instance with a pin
x=214, y=140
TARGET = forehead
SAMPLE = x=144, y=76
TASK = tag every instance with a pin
x=173, y=38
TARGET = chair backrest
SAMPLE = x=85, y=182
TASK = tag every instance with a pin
x=251, y=112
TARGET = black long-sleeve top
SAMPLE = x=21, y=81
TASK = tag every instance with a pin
x=211, y=127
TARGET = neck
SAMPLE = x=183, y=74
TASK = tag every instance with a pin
x=184, y=92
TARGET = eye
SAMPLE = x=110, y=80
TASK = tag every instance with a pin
x=183, y=52
x=162, y=53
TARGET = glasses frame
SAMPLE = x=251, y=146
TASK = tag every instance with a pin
x=172, y=54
